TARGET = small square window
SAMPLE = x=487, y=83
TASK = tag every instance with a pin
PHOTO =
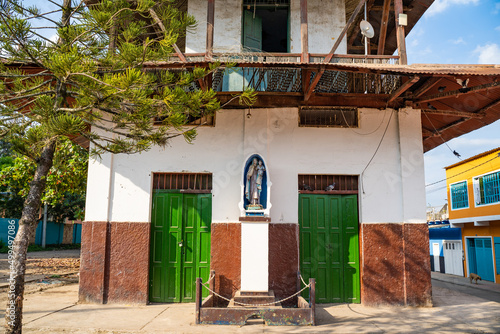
x=328, y=117
x=459, y=195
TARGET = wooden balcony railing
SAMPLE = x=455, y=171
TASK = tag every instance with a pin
x=291, y=58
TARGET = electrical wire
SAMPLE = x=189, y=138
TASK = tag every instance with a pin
x=444, y=141
x=375, y=153
x=430, y=184
x=359, y=133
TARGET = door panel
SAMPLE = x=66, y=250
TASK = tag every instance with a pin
x=180, y=245
x=481, y=258
x=252, y=32
x=452, y=252
x=329, y=246
x=484, y=258
x=436, y=254
x=350, y=242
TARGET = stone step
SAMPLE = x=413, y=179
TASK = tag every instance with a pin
x=254, y=297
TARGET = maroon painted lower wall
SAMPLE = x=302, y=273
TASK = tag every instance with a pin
x=395, y=265
x=283, y=260
x=226, y=257
x=92, y=262
x=395, y=262
x=114, y=262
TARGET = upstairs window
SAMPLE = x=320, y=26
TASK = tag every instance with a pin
x=459, y=195
x=265, y=25
x=487, y=188
x=328, y=117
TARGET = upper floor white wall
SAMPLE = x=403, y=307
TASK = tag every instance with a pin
x=326, y=19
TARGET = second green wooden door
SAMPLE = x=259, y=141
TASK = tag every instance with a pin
x=180, y=245
x=329, y=246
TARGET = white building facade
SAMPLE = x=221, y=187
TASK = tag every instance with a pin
x=157, y=220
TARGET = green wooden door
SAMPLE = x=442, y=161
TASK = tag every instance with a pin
x=252, y=32
x=329, y=246
x=180, y=245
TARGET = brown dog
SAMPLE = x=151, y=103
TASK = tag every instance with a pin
x=474, y=277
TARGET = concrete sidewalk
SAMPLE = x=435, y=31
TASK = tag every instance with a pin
x=56, y=311
x=465, y=281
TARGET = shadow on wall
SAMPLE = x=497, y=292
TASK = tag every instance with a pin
x=396, y=255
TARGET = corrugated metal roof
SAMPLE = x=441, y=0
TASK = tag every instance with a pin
x=427, y=69
x=430, y=69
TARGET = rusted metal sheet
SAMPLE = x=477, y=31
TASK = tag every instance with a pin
x=188, y=182
x=303, y=314
x=271, y=316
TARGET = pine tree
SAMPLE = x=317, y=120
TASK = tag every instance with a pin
x=92, y=83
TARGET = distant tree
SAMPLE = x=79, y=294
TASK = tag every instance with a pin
x=5, y=148
x=65, y=189
x=91, y=83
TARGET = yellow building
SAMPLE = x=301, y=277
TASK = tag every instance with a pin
x=474, y=197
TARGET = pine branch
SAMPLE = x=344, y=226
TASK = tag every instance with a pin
x=2, y=17
x=44, y=16
x=26, y=76
x=30, y=89
x=96, y=80
x=47, y=92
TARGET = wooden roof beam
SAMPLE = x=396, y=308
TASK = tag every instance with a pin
x=314, y=83
x=459, y=92
x=400, y=33
x=210, y=29
x=356, y=29
x=428, y=84
x=488, y=107
x=304, y=36
x=381, y=8
x=439, y=131
x=344, y=31
x=329, y=57
x=272, y=99
x=383, y=27
x=403, y=88
x=457, y=113
x=162, y=27
x=427, y=132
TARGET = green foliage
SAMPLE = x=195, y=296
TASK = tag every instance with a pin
x=98, y=83
x=66, y=183
x=94, y=84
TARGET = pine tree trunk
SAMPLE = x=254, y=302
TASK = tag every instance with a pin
x=19, y=246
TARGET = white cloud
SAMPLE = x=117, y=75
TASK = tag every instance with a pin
x=488, y=54
x=497, y=8
x=423, y=52
x=54, y=38
x=414, y=43
x=457, y=41
x=497, y=28
x=440, y=6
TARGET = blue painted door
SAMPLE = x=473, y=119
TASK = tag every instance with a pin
x=481, y=258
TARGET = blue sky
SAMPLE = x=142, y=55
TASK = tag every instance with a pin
x=456, y=32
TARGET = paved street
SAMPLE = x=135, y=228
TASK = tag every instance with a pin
x=490, y=295
x=459, y=307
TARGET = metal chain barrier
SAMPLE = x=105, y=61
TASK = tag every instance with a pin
x=254, y=305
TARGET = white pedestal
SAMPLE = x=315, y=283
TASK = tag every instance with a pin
x=255, y=256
